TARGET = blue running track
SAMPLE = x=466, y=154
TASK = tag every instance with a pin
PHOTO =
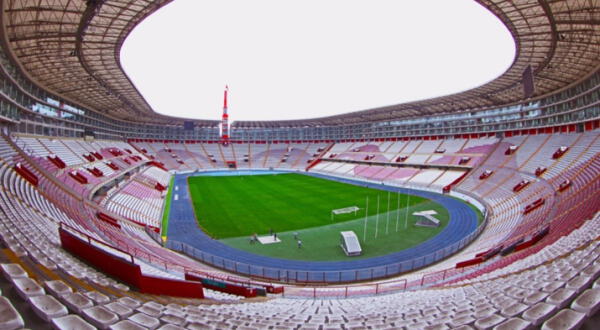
x=184, y=228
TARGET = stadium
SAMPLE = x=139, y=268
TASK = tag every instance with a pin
x=478, y=209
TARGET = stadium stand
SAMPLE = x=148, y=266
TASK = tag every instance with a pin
x=85, y=164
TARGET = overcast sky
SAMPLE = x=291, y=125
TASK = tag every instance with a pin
x=295, y=59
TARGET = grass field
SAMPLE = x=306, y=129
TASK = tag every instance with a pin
x=232, y=208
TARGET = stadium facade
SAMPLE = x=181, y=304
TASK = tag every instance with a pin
x=63, y=77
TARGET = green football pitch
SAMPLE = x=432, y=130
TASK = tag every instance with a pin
x=233, y=208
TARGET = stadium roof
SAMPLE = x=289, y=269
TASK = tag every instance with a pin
x=71, y=47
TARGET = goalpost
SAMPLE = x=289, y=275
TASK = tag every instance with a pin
x=344, y=211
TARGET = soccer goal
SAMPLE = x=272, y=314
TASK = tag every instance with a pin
x=345, y=210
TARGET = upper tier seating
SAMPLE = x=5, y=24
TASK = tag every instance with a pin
x=417, y=152
x=206, y=156
x=73, y=153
